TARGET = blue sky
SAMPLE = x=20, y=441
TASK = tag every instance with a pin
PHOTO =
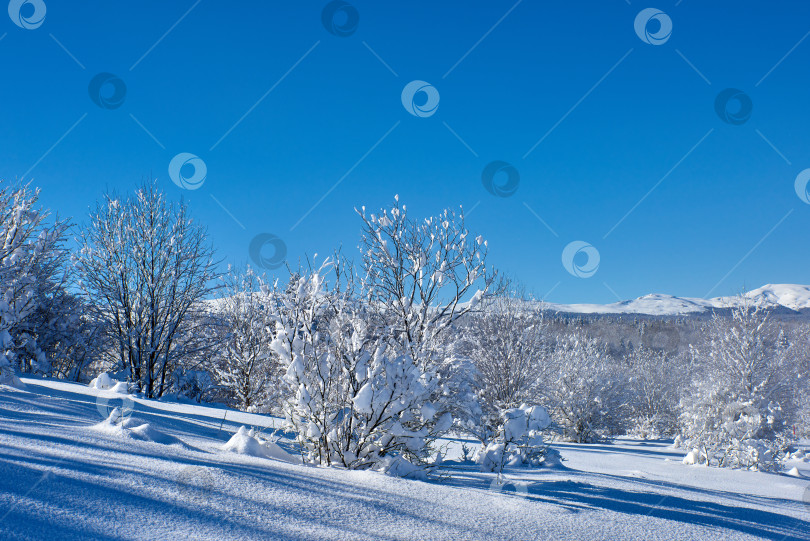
x=591, y=117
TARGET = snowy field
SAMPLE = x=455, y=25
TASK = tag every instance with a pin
x=65, y=476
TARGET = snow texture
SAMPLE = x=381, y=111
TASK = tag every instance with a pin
x=63, y=480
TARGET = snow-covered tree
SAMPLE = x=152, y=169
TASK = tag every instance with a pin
x=37, y=320
x=68, y=335
x=506, y=345
x=244, y=363
x=586, y=390
x=743, y=396
x=802, y=425
x=655, y=385
x=800, y=351
x=311, y=374
x=422, y=276
x=146, y=267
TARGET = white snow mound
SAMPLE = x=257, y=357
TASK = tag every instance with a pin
x=398, y=466
x=103, y=381
x=245, y=442
x=691, y=458
x=10, y=379
x=128, y=427
x=120, y=387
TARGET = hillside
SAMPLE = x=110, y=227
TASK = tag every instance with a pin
x=67, y=475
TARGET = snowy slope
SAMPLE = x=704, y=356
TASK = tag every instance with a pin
x=64, y=479
x=792, y=296
x=786, y=296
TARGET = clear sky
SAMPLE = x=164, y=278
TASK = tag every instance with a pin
x=610, y=130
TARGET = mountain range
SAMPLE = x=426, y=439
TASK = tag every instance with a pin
x=784, y=298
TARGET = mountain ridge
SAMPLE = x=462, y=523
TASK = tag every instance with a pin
x=792, y=297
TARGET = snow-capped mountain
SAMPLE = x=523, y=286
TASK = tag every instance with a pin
x=787, y=297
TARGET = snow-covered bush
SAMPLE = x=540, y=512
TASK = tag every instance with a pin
x=506, y=347
x=800, y=350
x=655, y=385
x=196, y=385
x=586, y=390
x=518, y=440
x=744, y=394
x=721, y=431
x=68, y=334
x=41, y=323
x=243, y=363
x=803, y=420
x=312, y=375
x=7, y=372
x=355, y=400
x=420, y=278
x=372, y=383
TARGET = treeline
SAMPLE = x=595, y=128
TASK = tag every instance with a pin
x=371, y=361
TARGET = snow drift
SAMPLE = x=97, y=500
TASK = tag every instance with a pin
x=246, y=442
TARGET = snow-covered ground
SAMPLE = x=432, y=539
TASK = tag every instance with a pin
x=64, y=474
